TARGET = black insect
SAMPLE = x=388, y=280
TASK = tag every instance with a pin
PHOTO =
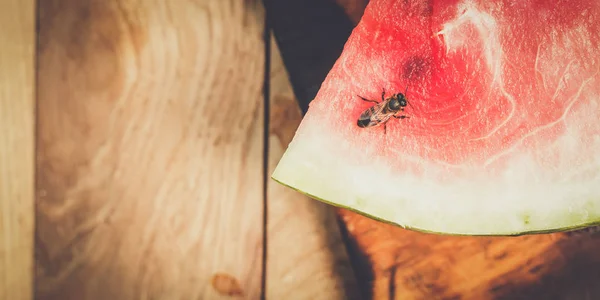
x=383, y=111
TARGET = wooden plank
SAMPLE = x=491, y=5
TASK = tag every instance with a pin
x=394, y=263
x=306, y=255
x=17, y=167
x=150, y=149
x=411, y=265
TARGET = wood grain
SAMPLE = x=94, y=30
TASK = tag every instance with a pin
x=394, y=263
x=150, y=149
x=306, y=256
x=17, y=138
x=409, y=265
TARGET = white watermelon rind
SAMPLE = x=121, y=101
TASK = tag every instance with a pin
x=314, y=166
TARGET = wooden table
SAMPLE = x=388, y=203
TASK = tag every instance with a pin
x=150, y=159
x=150, y=181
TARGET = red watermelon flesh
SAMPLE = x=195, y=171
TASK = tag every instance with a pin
x=503, y=134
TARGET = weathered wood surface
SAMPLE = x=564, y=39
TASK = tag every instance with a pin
x=150, y=159
x=17, y=119
x=401, y=264
x=306, y=256
x=150, y=149
x=394, y=263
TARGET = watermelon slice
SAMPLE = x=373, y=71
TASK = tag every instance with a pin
x=503, y=128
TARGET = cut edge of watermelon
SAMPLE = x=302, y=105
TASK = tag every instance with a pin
x=312, y=165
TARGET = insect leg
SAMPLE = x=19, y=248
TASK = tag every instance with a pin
x=365, y=99
x=384, y=128
x=383, y=95
x=401, y=117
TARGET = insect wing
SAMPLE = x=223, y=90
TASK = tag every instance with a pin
x=374, y=115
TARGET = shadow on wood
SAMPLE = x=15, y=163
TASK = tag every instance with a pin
x=568, y=270
x=306, y=258
x=413, y=265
